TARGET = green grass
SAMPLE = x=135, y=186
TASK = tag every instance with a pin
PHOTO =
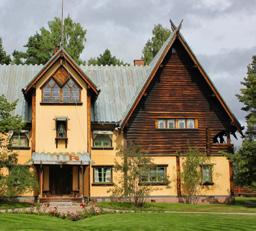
x=247, y=205
x=131, y=221
x=10, y=205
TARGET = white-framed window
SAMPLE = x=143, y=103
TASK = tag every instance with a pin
x=206, y=171
x=181, y=123
x=102, y=141
x=190, y=123
x=161, y=124
x=171, y=123
x=19, y=139
x=102, y=174
x=177, y=123
x=155, y=175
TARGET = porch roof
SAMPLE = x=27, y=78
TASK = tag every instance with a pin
x=78, y=158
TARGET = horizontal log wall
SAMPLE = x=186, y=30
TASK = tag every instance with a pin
x=177, y=91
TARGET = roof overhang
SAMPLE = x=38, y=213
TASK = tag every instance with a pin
x=61, y=55
x=60, y=158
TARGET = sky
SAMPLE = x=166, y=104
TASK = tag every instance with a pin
x=221, y=33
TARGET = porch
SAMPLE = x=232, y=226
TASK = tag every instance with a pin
x=62, y=177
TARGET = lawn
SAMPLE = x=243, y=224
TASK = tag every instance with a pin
x=131, y=221
x=10, y=205
x=242, y=205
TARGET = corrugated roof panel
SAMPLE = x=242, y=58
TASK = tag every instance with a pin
x=118, y=85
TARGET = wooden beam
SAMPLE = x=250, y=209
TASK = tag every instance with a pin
x=33, y=130
x=231, y=175
x=89, y=138
x=178, y=176
x=41, y=181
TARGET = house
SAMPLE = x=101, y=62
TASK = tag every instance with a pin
x=77, y=117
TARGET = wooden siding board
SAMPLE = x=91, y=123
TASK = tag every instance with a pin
x=177, y=91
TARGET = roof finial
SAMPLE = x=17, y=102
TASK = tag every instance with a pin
x=62, y=25
x=173, y=26
x=179, y=26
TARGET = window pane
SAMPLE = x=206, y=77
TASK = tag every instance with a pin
x=181, y=123
x=206, y=174
x=190, y=123
x=61, y=129
x=161, y=124
x=171, y=123
x=103, y=175
x=154, y=175
x=19, y=140
x=71, y=92
x=102, y=141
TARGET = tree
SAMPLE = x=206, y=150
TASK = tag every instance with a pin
x=153, y=45
x=133, y=165
x=244, y=164
x=191, y=175
x=40, y=46
x=106, y=58
x=14, y=179
x=4, y=58
x=245, y=158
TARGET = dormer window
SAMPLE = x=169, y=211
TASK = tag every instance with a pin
x=19, y=140
x=54, y=93
x=51, y=92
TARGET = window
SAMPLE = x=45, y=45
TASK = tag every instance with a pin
x=179, y=123
x=51, y=92
x=161, y=124
x=190, y=123
x=171, y=123
x=69, y=93
x=102, y=141
x=61, y=131
x=19, y=140
x=206, y=170
x=155, y=175
x=102, y=175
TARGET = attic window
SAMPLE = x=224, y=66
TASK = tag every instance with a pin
x=177, y=123
x=69, y=93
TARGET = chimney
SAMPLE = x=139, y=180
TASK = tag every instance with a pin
x=138, y=62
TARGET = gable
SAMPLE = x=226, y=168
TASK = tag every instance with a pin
x=61, y=74
x=156, y=67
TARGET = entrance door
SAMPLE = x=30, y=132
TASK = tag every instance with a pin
x=60, y=180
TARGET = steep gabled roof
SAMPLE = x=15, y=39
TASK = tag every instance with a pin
x=155, y=65
x=61, y=53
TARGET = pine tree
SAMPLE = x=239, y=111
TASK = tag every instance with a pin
x=4, y=58
x=106, y=58
x=153, y=45
x=245, y=158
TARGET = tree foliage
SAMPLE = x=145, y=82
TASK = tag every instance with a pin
x=40, y=46
x=106, y=58
x=191, y=175
x=14, y=179
x=132, y=164
x=4, y=57
x=245, y=158
x=153, y=45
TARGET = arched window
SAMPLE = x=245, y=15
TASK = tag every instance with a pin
x=71, y=92
x=51, y=92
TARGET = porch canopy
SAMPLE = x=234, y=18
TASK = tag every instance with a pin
x=61, y=158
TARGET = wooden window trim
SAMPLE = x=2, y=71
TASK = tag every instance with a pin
x=102, y=183
x=207, y=183
x=156, y=183
x=176, y=122
x=61, y=96
x=103, y=147
x=19, y=147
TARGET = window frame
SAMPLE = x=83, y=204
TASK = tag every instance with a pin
x=176, y=123
x=102, y=147
x=57, y=138
x=203, y=181
x=103, y=183
x=26, y=134
x=149, y=176
x=61, y=100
